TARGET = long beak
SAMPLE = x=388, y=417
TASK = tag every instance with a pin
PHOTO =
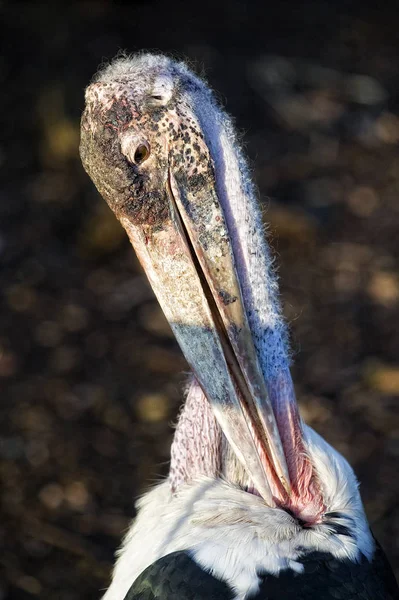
x=190, y=265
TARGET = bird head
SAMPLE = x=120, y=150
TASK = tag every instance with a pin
x=166, y=159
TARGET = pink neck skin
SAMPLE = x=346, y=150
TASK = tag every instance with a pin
x=305, y=500
x=197, y=449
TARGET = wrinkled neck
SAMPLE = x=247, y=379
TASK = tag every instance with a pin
x=197, y=443
x=199, y=446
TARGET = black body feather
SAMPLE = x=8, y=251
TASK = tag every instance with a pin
x=178, y=577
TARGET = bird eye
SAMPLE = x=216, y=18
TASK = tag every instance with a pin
x=141, y=154
x=156, y=97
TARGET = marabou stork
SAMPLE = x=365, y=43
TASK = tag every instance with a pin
x=256, y=505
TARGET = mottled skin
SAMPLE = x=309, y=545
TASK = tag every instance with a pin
x=177, y=156
x=138, y=191
x=147, y=156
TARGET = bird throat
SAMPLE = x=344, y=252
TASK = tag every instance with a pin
x=200, y=449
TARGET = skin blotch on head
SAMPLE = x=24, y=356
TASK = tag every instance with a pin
x=137, y=129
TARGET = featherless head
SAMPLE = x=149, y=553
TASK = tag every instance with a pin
x=165, y=157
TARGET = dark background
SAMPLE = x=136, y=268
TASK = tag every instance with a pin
x=91, y=376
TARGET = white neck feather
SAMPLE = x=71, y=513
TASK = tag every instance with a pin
x=208, y=516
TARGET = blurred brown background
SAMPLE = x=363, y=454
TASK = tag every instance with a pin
x=91, y=376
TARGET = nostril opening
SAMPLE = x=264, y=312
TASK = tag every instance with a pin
x=141, y=154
